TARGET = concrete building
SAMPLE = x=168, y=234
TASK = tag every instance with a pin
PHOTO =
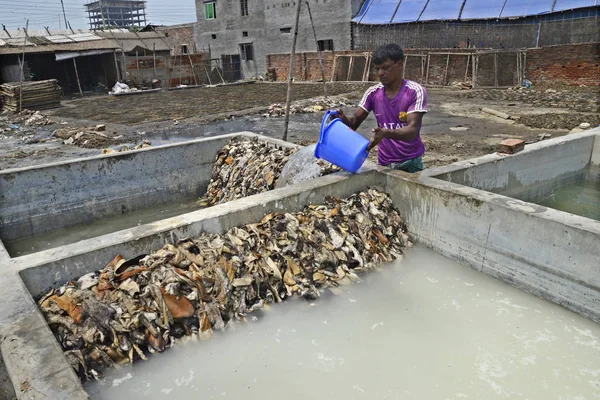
x=116, y=13
x=241, y=33
x=96, y=59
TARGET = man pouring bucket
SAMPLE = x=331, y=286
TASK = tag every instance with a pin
x=399, y=106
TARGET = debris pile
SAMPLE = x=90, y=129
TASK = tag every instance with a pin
x=308, y=106
x=144, y=305
x=559, y=120
x=121, y=88
x=145, y=144
x=248, y=166
x=37, y=95
x=21, y=121
x=580, y=99
x=87, y=137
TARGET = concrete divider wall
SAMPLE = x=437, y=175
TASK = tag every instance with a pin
x=546, y=252
x=30, y=351
x=530, y=174
x=45, y=198
x=49, y=197
x=90, y=255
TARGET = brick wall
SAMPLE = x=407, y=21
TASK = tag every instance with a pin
x=179, y=35
x=565, y=64
x=570, y=65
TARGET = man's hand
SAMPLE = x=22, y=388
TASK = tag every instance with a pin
x=343, y=117
x=378, y=135
x=353, y=122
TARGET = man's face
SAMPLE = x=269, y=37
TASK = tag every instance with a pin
x=389, y=71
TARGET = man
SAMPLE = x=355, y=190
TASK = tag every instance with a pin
x=399, y=106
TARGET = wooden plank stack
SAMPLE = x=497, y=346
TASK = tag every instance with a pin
x=38, y=95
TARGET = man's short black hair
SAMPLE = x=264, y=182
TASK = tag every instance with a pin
x=388, y=52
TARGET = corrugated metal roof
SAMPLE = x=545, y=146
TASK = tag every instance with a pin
x=83, y=41
x=378, y=12
x=77, y=37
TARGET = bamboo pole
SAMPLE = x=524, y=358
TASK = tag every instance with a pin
x=77, y=76
x=192, y=66
x=291, y=73
x=318, y=49
x=496, y=69
x=22, y=76
x=154, y=60
x=427, y=74
x=446, y=71
x=137, y=64
x=467, y=69
x=207, y=74
x=117, y=66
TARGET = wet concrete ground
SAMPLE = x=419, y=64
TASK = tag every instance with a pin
x=454, y=128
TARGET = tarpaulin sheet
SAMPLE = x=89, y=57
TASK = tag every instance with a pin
x=441, y=9
x=562, y=5
x=379, y=12
x=362, y=11
x=482, y=9
x=521, y=8
x=409, y=10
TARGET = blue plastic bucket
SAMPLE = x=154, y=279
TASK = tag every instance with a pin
x=340, y=145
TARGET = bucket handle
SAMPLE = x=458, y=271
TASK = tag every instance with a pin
x=324, y=125
x=325, y=122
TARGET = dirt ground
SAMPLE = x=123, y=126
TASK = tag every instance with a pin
x=454, y=129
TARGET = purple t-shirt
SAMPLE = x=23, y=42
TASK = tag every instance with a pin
x=391, y=114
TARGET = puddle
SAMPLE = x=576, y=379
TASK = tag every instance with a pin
x=422, y=328
x=75, y=233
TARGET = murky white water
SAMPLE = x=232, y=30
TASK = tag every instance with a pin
x=88, y=230
x=422, y=328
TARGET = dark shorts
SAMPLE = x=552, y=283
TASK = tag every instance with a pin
x=412, y=165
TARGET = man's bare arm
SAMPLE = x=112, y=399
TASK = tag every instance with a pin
x=407, y=133
x=354, y=122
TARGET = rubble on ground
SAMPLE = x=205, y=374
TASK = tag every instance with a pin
x=307, y=106
x=577, y=99
x=248, y=166
x=558, y=120
x=87, y=137
x=22, y=122
x=145, y=144
x=143, y=305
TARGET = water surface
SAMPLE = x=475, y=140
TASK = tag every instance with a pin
x=422, y=328
x=88, y=230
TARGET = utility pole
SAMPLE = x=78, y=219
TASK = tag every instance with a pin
x=318, y=49
x=64, y=14
x=291, y=73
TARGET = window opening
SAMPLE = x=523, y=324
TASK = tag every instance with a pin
x=247, y=51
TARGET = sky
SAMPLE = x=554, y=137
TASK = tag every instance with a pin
x=42, y=13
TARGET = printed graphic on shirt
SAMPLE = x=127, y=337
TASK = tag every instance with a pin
x=393, y=114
